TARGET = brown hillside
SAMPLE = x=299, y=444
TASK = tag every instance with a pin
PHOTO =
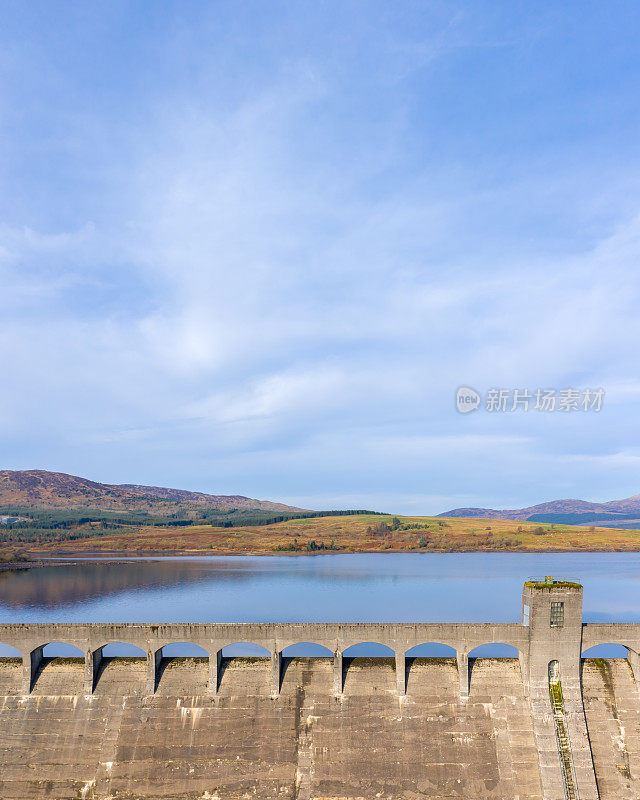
x=42, y=488
x=357, y=533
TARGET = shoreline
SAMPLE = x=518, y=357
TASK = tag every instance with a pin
x=18, y=565
x=42, y=559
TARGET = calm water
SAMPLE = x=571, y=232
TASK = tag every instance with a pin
x=446, y=587
x=369, y=587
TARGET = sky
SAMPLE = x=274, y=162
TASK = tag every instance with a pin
x=255, y=248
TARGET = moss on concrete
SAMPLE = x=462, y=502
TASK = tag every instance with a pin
x=554, y=585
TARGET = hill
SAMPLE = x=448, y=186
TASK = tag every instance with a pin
x=582, y=511
x=40, y=488
x=351, y=534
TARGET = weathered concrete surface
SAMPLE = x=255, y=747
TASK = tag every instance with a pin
x=612, y=708
x=306, y=743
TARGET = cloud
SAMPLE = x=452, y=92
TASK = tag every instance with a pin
x=276, y=395
x=270, y=277
x=608, y=461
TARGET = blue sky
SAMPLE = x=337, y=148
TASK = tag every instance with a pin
x=255, y=247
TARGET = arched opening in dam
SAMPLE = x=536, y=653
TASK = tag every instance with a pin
x=368, y=666
x=596, y=656
x=246, y=663
x=430, y=661
x=54, y=650
x=57, y=669
x=182, y=667
x=301, y=656
x=431, y=650
x=482, y=662
x=606, y=650
x=368, y=650
x=122, y=650
x=244, y=650
x=119, y=666
x=494, y=650
x=306, y=650
x=607, y=663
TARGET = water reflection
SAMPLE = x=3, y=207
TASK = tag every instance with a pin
x=446, y=587
x=54, y=586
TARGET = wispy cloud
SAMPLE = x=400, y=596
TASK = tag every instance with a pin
x=261, y=259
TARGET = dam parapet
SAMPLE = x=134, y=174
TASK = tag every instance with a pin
x=551, y=629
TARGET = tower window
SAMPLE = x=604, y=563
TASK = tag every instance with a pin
x=557, y=615
x=525, y=615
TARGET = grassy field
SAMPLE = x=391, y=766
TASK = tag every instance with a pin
x=361, y=533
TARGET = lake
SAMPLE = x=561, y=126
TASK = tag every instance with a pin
x=448, y=587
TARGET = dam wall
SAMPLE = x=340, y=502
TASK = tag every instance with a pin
x=399, y=727
x=307, y=743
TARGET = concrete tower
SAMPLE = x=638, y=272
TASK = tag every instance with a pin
x=552, y=610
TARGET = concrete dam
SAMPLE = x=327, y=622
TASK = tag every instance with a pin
x=547, y=725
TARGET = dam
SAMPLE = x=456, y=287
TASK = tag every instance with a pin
x=548, y=724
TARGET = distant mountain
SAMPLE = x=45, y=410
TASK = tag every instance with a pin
x=56, y=489
x=582, y=509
